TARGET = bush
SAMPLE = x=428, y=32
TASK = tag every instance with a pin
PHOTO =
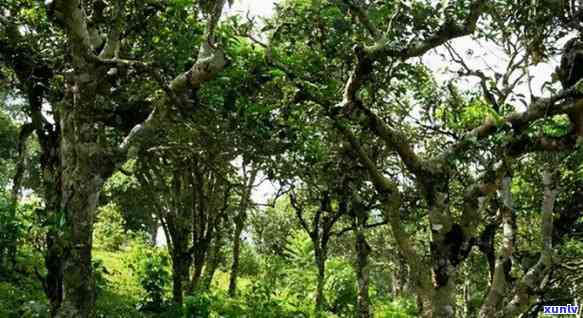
x=22, y=299
x=340, y=288
x=11, y=229
x=249, y=264
x=109, y=233
x=197, y=306
x=99, y=272
x=149, y=265
x=399, y=308
x=227, y=307
x=33, y=309
x=261, y=303
x=121, y=291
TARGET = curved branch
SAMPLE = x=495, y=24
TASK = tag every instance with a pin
x=497, y=289
x=449, y=30
x=517, y=121
x=112, y=45
x=211, y=60
x=531, y=281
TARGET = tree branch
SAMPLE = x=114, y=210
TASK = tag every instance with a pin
x=517, y=121
x=112, y=45
x=499, y=283
x=367, y=226
x=362, y=16
x=211, y=60
x=71, y=15
x=449, y=30
x=531, y=281
x=396, y=141
x=299, y=211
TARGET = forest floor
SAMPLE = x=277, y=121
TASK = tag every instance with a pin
x=120, y=294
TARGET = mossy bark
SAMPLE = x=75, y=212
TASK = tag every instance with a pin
x=362, y=275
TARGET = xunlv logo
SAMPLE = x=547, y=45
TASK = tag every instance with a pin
x=560, y=310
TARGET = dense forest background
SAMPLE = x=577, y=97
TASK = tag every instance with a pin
x=337, y=158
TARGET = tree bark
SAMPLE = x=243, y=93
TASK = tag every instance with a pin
x=499, y=283
x=362, y=274
x=236, y=254
x=53, y=282
x=199, y=261
x=181, y=260
x=87, y=157
x=239, y=226
x=320, y=259
x=214, y=259
x=180, y=265
x=400, y=280
x=54, y=254
x=81, y=187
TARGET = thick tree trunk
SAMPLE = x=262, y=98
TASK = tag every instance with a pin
x=443, y=300
x=447, y=238
x=86, y=161
x=401, y=278
x=196, y=276
x=54, y=254
x=176, y=284
x=81, y=189
x=362, y=275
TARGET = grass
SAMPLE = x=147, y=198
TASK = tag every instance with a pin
x=122, y=293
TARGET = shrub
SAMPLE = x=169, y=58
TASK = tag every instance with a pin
x=109, y=232
x=398, y=308
x=33, y=309
x=249, y=261
x=197, y=306
x=149, y=265
x=261, y=303
x=99, y=272
x=227, y=307
x=11, y=229
x=340, y=288
x=24, y=298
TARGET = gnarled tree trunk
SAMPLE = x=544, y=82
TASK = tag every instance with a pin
x=85, y=166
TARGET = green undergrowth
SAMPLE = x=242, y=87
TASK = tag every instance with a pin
x=121, y=292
